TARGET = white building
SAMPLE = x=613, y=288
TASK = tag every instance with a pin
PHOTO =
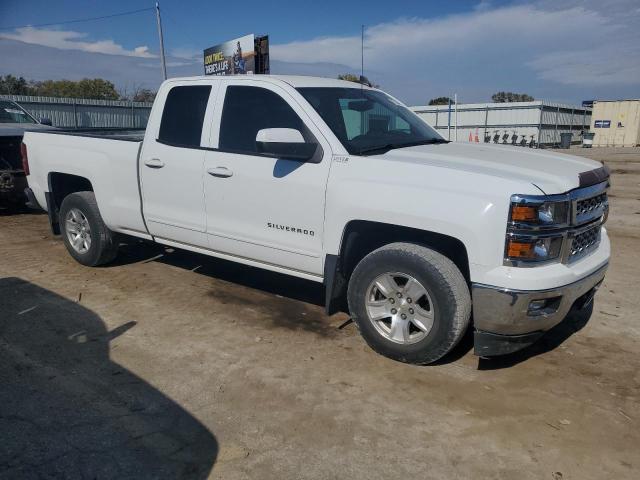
x=616, y=123
x=539, y=121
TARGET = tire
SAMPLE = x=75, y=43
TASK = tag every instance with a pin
x=439, y=317
x=82, y=210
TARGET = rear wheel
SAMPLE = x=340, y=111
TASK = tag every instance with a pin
x=84, y=233
x=410, y=303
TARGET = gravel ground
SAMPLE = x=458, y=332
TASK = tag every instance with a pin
x=169, y=364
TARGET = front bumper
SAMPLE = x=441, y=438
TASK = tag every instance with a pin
x=507, y=320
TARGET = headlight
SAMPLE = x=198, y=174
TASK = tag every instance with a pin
x=533, y=249
x=535, y=232
x=539, y=214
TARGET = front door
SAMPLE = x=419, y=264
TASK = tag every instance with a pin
x=171, y=167
x=261, y=208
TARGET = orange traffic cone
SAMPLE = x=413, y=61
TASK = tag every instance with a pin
x=477, y=141
x=470, y=137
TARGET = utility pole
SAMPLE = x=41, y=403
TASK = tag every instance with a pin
x=164, y=64
x=455, y=106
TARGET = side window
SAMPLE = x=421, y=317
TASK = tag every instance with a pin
x=183, y=115
x=353, y=121
x=249, y=109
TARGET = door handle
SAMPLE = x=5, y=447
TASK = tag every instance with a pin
x=154, y=163
x=221, y=172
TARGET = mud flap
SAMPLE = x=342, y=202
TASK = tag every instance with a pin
x=52, y=211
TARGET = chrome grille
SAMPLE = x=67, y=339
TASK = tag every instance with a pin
x=585, y=241
x=588, y=205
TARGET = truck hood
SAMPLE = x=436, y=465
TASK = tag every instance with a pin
x=551, y=172
x=18, y=129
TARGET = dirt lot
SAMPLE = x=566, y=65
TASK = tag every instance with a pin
x=169, y=364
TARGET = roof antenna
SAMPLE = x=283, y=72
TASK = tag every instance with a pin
x=362, y=57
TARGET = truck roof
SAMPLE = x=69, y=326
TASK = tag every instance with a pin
x=293, y=80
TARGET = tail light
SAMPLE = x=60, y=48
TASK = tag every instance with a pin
x=25, y=158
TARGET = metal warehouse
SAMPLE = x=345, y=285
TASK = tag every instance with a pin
x=616, y=123
x=85, y=113
x=530, y=123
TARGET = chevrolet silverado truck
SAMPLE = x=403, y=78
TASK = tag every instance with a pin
x=341, y=184
x=14, y=120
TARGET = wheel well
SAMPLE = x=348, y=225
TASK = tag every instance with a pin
x=361, y=237
x=61, y=185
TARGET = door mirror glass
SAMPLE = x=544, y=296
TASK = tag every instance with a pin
x=45, y=121
x=285, y=143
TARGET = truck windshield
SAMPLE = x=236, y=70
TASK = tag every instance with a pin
x=13, y=113
x=369, y=122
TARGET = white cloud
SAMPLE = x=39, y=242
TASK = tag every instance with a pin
x=571, y=44
x=564, y=51
x=187, y=53
x=612, y=66
x=483, y=5
x=70, y=40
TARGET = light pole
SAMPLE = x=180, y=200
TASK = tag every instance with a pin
x=164, y=64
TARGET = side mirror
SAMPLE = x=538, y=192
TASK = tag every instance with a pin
x=45, y=121
x=285, y=143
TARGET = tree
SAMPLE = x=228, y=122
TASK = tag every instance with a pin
x=502, y=97
x=144, y=95
x=349, y=77
x=440, y=101
x=96, y=88
x=136, y=93
x=10, y=85
x=352, y=77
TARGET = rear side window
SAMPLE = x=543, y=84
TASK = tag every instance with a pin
x=183, y=115
x=249, y=109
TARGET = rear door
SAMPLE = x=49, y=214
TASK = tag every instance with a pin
x=171, y=165
x=259, y=207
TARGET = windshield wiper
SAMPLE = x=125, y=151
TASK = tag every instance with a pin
x=392, y=146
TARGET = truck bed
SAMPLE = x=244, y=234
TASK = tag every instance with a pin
x=107, y=159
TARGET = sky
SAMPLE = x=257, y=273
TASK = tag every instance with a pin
x=556, y=50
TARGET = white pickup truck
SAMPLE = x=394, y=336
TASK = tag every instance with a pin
x=339, y=183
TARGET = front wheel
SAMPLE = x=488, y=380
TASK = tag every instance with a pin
x=84, y=233
x=410, y=303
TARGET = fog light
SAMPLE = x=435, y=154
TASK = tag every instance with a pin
x=544, y=306
x=537, y=305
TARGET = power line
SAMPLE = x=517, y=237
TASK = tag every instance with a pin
x=131, y=12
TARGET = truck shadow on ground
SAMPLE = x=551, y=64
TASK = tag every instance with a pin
x=287, y=290
x=283, y=307
x=68, y=411
x=9, y=210
x=282, y=301
x=271, y=282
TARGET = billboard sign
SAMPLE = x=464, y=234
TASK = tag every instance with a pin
x=235, y=57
